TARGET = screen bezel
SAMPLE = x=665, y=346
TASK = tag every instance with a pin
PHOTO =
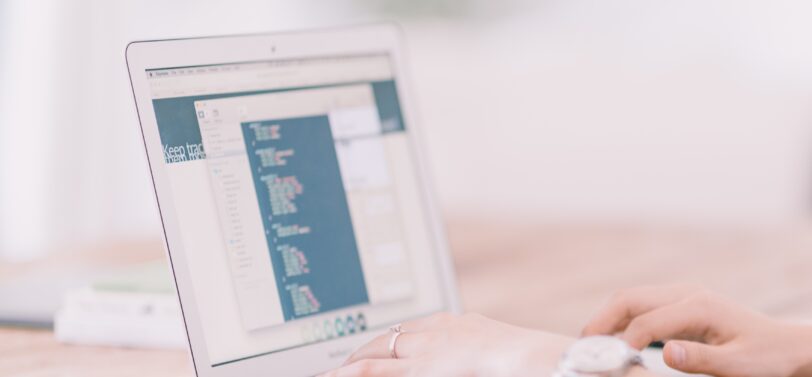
x=382, y=38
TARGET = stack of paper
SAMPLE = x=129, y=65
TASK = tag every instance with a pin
x=135, y=308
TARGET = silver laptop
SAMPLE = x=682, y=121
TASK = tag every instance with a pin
x=295, y=205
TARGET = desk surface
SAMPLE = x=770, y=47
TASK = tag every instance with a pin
x=537, y=275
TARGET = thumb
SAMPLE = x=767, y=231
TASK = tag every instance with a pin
x=693, y=357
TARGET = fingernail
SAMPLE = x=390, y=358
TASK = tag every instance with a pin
x=677, y=353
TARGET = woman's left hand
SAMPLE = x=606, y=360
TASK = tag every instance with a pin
x=447, y=345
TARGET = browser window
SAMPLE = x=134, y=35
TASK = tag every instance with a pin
x=297, y=197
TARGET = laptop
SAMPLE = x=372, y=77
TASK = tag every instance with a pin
x=295, y=204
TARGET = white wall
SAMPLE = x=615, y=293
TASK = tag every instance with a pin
x=689, y=111
x=30, y=111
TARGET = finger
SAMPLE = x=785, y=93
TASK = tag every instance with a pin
x=684, y=320
x=406, y=346
x=433, y=322
x=628, y=304
x=378, y=348
x=371, y=368
x=693, y=357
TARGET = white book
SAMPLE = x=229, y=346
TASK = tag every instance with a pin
x=125, y=319
x=122, y=303
x=117, y=331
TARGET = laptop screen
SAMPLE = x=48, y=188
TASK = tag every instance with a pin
x=296, y=193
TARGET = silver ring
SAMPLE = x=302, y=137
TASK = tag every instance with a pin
x=393, y=342
x=396, y=328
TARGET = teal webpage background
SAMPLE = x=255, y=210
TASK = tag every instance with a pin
x=177, y=119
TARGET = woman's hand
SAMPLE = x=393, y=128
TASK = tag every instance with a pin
x=446, y=345
x=710, y=335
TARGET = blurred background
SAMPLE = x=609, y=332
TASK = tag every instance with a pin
x=610, y=143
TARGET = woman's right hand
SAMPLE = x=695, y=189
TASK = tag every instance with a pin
x=705, y=333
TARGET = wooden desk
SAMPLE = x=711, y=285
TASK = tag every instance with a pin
x=539, y=275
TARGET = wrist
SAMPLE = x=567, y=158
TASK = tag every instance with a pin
x=547, y=350
x=801, y=359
